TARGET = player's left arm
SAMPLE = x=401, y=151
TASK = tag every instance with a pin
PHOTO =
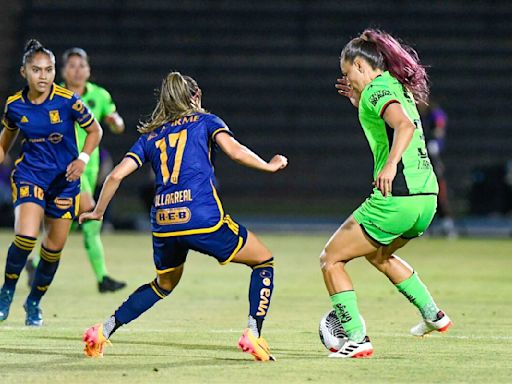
x=243, y=155
x=111, y=117
x=77, y=166
x=397, y=119
x=110, y=186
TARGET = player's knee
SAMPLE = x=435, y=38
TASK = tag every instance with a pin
x=329, y=259
x=168, y=281
x=86, y=206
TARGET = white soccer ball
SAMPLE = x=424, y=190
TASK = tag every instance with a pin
x=331, y=331
x=332, y=334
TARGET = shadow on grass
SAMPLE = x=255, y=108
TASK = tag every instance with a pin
x=188, y=346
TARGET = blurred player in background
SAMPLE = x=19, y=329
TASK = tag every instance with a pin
x=435, y=120
x=179, y=141
x=46, y=178
x=384, y=80
x=76, y=73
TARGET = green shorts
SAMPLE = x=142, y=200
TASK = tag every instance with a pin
x=89, y=179
x=384, y=219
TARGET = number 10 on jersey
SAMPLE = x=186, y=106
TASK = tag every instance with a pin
x=178, y=141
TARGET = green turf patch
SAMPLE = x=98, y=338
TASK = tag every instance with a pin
x=191, y=336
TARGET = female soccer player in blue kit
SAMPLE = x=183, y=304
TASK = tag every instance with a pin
x=46, y=179
x=180, y=141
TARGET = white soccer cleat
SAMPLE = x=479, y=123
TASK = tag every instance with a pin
x=440, y=324
x=351, y=349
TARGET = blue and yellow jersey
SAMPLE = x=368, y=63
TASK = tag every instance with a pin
x=49, y=138
x=181, y=155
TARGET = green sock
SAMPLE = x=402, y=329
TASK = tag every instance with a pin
x=418, y=294
x=94, y=248
x=345, y=305
x=35, y=260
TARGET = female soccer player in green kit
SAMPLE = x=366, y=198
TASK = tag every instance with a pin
x=76, y=73
x=384, y=80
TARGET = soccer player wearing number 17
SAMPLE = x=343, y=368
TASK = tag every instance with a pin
x=384, y=80
x=179, y=142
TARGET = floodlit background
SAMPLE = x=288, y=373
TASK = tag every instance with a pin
x=268, y=69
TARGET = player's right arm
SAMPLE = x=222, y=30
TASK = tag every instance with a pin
x=7, y=139
x=110, y=186
x=8, y=135
x=243, y=155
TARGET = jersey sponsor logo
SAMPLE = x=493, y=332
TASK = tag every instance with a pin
x=54, y=117
x=37, y=140
x=55, y=138
x=376, y=96
x=173, y=198
x=185, y=120
x=63, y=203
x=264, y=301
x=24, y=119
x=171, y=216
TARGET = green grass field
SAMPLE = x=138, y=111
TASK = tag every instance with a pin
x=191, y=336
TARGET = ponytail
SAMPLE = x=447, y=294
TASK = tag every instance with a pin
x=383, y=51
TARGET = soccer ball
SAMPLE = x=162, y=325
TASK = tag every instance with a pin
x=331, y=331
x=332, y=334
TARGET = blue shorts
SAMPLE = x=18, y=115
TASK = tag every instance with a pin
x=171, y=251
x=60, y=200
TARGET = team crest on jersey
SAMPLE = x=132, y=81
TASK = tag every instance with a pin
x=24, y=119
x=55, y=138
x=25, y=191
x=54, y=117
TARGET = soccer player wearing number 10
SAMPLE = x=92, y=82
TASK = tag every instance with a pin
x=179, y=142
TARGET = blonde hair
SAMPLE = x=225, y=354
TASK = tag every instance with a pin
x=174, y=101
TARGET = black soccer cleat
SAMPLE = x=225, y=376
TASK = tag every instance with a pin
x=110, y=285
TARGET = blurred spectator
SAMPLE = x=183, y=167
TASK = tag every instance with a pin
x=434, y=122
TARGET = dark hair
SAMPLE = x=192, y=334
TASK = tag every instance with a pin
x=32, y=47
x=383, y=51
x=75, y=51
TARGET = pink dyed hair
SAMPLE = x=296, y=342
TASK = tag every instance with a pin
x=383, y=51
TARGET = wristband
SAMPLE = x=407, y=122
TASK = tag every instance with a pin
x=84, y=157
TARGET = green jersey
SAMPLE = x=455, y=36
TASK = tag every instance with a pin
x=101, y=105
x=415, y=175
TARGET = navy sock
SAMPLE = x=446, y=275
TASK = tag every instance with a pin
x=137, y=303
x=260, y=292
x=16, y=258
x=45, y=273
